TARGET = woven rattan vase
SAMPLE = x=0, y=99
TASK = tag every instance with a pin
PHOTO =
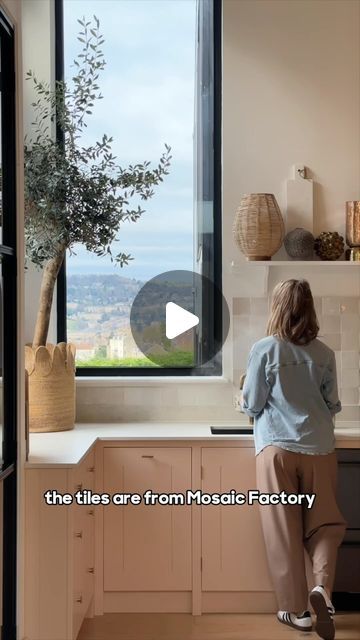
x=258, y=226
x=51, y=372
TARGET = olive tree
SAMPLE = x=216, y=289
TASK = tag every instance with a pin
x=76, y=193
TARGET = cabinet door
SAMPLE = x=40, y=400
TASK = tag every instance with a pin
x=347, y=577
x=147, y=547
x=46, y=568
x=233, y=550
x=348, y=481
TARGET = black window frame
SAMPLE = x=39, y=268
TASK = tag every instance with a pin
x=8, y=256
x=213, y=322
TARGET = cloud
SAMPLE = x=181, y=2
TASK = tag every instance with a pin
x=148, y=83
x=148, y=89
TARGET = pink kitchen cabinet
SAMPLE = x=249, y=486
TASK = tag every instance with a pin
x=147, y=547
x=233, y=551
x=59, y=554
x=88, y=560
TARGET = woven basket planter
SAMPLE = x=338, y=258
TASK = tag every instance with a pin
x=258, y=226
x=51, y=375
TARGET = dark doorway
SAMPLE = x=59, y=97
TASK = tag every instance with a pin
x=8, y=333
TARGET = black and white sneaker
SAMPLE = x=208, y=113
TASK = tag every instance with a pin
x=301, y=622
x=324, y=610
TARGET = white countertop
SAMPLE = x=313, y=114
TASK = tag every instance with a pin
x=67, y=448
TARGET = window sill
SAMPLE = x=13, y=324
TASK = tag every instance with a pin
x=147, y=381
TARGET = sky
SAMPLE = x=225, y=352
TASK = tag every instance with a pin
x=148, y=89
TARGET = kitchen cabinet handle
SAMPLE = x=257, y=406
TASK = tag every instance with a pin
x=90, y=512
x=78, y=534
x=79, y=599
x=79, y=487
x=91, y=570
x=91, y=469
x=146, y=456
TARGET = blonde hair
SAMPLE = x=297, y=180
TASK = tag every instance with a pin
x=293, y=316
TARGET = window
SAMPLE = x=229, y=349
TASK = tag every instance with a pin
x=161, y=85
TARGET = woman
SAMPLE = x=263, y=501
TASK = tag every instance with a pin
x=291, y=390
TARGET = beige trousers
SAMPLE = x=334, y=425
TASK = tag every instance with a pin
x=288, y=529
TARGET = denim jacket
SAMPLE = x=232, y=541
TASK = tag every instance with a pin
x=291, y=391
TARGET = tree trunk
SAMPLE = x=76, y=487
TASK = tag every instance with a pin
x=50, y=275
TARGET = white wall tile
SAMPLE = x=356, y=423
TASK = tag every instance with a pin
x=241, y=325
x=338, y=361
x=241, y=306
x=349, y=304
x=318, y=305
x=141, y=396
x=320, y=319
x=349, y=341
x=348, y=413
x=330, y=305
x=240, y=357
x=350, y=322
x=333, y=340
x=330, y=324
x=350, y=378
x=349, y=396
x=349, y=359
x=259, y=306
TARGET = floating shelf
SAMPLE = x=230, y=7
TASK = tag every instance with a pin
x=294, y=263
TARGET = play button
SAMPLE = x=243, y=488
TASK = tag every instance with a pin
x=178, y=320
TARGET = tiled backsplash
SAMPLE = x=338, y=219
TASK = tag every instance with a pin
x=176, y=402
x=339, y=319
x=339, y=322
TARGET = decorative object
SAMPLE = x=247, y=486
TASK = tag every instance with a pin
x=258, y=226
x=82, y=197
x=51, y=373
x=299, y=199
x=329, y=245
x=353, y=223
x=299, y=244
x=353, y=254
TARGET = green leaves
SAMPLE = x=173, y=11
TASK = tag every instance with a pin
x=73, y=193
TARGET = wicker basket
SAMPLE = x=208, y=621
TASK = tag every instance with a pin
x=258, y=226
x=51, y=372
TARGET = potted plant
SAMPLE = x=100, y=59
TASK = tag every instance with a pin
x=74, y=194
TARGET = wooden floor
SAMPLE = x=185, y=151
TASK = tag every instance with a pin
x=215, y=626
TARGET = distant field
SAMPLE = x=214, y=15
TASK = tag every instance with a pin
x=178, y=359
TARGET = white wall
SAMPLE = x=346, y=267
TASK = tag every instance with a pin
x=38, y=54
x=291, y=88
x=38, y=49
